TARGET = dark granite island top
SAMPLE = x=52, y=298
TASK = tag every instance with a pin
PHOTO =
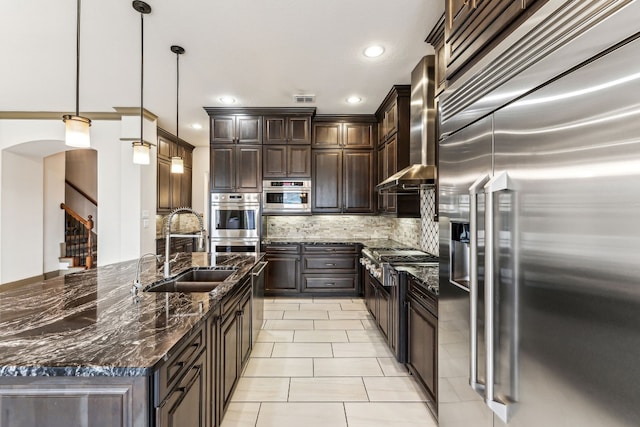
x=86, y=324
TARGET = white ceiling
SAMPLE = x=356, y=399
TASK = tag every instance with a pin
x=261, y=52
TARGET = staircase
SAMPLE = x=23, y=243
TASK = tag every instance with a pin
x=79, y=250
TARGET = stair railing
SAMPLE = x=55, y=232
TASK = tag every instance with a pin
x=88, y=227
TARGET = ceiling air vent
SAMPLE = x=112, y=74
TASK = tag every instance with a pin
x=304, y=99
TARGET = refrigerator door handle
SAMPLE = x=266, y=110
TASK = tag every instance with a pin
x=475, y=188
x=498, y=183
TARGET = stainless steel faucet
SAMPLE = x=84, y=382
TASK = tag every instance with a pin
x=168, y=235
x=136, y=283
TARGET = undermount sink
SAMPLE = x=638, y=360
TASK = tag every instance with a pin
x=196, y=280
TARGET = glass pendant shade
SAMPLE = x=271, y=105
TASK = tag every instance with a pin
x=177, y=165
x=77, y=132
x=141, y=153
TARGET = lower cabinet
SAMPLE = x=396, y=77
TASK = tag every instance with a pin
x=235, y=340
x=312, y=269
x=377, y=299
x=186, y=404
x=283, y=269
x=422, y=345
x=330, y=269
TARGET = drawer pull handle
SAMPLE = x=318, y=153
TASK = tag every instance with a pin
x=330, y=264
x=330, y=284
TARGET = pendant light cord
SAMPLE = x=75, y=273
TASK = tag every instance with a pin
x=78, y=59
x=141, y=78
x=178, y=97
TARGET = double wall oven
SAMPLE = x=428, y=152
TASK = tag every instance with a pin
x=235, y=222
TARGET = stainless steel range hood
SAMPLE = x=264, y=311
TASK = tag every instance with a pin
x=422, y=136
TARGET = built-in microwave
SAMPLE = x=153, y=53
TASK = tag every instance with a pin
x=286, y=197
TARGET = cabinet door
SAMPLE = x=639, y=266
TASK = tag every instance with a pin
x=222, y=168
x=176, y=190
x=275, y=130
x=358, y=135
x=327, y=135
x=358, y=181
x=164, y=185
x=230, y=357
x=245, y=328
x=370, y=295
x=299, y=161
x=383, y=310
x=327, y=181
x=164, y=148
x=423, y=338
x=187, y=184
x=223, y=129
x=282, y=274
x=248, y=129
x=382, y=198
x=186, y=405
x=299, y=130
x=249, y=168
x=214, y=360
x=391, y=120
x=391, y=152
x=275, y=161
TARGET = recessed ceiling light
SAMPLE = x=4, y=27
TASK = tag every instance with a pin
x=354, y=100
x=196, y=126
x=373, y=51
x=227, y=100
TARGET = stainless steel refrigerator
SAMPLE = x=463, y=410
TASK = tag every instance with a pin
x=539, y=311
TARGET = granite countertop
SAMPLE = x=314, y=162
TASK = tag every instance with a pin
x=87, y=323
x=373, y=243
x=429, y=276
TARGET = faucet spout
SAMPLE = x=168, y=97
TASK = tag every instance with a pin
x=168, y=235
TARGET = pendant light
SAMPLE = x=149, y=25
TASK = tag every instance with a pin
x=177, y=163
x=77, y=127
x=141, y=149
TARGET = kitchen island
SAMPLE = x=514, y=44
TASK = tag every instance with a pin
x=81, y=350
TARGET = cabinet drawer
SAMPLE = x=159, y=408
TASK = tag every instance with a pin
x=328, y=263
x=171, y=371
x=282, y=249
x=324, y=283
x=329, y=249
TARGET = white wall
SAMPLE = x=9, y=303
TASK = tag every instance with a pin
x=22, y=217
x=125, y=190
x=54, y=173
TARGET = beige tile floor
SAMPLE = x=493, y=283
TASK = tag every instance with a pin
x=322, y=362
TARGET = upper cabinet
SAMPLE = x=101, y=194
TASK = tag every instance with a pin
x=173, y=189
x=436, y=39
x=343, y=164
x=287, y=129
x=236, y=128
x=393, y=150
x=247, y=141
x=341, y=133
x=473, y=27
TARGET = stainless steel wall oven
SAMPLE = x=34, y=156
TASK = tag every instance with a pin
x=235, y=222
x=286, y=197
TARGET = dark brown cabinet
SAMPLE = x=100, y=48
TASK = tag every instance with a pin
x=343, y=181
x=236, y=128
x=436, y=39
x=283, y=269
x=330, y=269
x=377, y=299
x=235, y=340
x=173, y=190
x=287, y=130
x=236, y=168
x=181, y=382
x=473, y=27
x=282, y=161
x=342, y=134
x=393, y=150
x=343, y=164
x=422, y=344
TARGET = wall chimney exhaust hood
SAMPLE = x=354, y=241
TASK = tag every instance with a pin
x=422, y=137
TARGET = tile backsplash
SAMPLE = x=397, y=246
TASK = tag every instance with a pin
x=181, y=223
x=328, y=226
